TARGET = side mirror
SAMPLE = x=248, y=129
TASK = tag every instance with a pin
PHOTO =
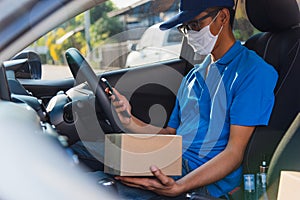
x=33, y=69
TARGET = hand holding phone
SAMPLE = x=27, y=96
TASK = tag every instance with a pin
x=111, y=92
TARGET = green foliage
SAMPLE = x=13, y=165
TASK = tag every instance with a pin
x=101, y=11
x=102, y=27
x=242, y=29
x=54, y=48
x=41, y=41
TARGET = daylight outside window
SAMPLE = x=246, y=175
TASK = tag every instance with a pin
x=113, y=37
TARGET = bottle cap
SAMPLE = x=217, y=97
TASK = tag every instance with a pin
x=263, y=168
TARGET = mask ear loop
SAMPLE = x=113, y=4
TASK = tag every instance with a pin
x=220, y=29
x=214, y=19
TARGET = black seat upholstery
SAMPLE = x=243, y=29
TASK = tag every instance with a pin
x=279, y=45
x=286, y=157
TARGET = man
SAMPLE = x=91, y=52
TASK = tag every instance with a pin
x=218, y=105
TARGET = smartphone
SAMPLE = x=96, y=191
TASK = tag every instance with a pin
x=111, y=92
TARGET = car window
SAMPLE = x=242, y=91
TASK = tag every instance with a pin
x=106, y=35
x=113, y=37
x=151, y=37
x=242, y=28
x=174, y=37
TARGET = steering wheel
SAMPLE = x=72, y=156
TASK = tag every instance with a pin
x=82, y=72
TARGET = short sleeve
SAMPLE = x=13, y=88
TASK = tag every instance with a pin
x=254, y=99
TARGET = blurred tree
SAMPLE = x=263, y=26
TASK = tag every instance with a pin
x=54, y=48
x=57, y=45
x=242, y=28
x=102, y=27
x=101, y=11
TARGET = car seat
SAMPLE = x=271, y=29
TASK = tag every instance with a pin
x=279, y=44
x=286, y=157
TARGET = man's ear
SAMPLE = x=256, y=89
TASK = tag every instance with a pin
x=225, y=16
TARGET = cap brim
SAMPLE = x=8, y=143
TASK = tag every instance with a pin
x=183, y=16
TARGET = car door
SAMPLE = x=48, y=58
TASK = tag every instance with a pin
x=151, y=89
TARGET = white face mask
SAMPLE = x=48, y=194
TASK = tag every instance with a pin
x=203, y=41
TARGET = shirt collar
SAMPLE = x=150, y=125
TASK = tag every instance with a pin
x=230, y=54
x=224, y=60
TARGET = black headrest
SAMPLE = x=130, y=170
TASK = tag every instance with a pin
x=273, y=15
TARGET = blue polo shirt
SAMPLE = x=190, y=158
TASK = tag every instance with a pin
x=236, y=89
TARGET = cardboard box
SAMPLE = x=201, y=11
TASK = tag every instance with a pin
x=133, y=154
x=289, y=185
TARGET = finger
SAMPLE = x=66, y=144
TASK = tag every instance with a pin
x=165, y=180
x=146, y=184
x=136, y=181
x=120, y=108
x=133, y=185
x=112, y=95
x=112, y=98
x=130, y=179
x=118, y=104
x=116, y=92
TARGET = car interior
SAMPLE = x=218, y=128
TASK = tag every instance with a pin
x=67, y=104
x=279, y=45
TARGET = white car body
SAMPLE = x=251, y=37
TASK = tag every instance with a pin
x=154, y=46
